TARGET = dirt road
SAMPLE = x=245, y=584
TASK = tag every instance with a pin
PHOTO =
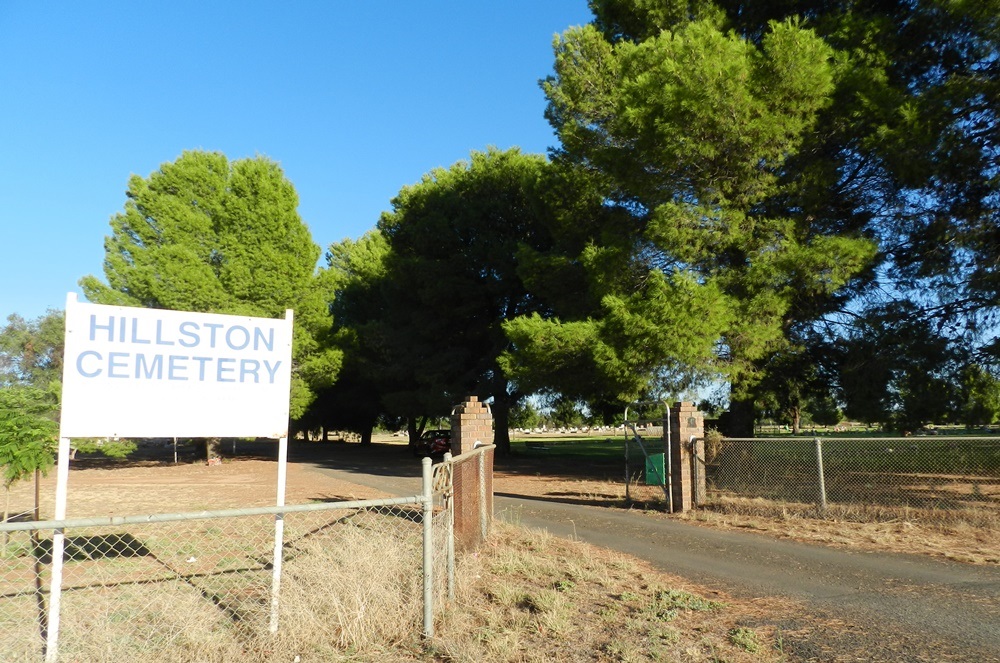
x=890, y=607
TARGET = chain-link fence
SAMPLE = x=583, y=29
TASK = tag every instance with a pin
x=919, y=473
x=203, y=586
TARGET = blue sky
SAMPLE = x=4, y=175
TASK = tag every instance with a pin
x=354, y=100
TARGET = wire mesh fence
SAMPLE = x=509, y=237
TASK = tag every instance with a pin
x=199, y=587
x=922, y=473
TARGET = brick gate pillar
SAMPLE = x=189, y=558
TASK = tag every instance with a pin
x=472, y=451
x=471, y=426
x=688, y=477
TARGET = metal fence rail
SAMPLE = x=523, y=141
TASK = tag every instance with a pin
x=936, y=473
x=201, y=586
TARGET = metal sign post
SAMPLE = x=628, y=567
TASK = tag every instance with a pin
x=58, y=546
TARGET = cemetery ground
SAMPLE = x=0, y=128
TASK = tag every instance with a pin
x=525, y=596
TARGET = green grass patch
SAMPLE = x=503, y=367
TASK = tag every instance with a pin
x=746, y=639
x=675, y=599
x=583, y=448
x=595, y=449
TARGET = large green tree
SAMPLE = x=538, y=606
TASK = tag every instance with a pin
x=899, y=369
x=27, y=436
x=690, y=129
x=907, y=153
x=355, y=275
x=980, y=397
x=207, y=234
x=800, y=380
x=908, y=148
x=31, y=352
x=452, y=279
x=30, y=377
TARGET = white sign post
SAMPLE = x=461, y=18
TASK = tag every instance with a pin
x=136, y=372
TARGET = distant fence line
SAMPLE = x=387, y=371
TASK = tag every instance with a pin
x=936, y=473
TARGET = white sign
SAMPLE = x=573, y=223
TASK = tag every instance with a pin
x=138, y=372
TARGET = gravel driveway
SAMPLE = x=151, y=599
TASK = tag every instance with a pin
x=893, y=607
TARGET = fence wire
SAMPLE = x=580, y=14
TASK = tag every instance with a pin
x=443, y=551
x=934, y=473
x=200, y=589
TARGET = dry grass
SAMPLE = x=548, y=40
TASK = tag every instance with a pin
x=970, y=535
x=349, y=595
x=529, y=596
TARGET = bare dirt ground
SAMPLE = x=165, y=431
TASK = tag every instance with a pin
x=150, y=482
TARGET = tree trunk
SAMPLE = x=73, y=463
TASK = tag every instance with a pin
x=6, y=514
x=739, y=420
x=415, y=428
x=501, y=420
x=213, y=450
x=412, y=434
x=796, y=421
x=366, y=435
x=501, y=431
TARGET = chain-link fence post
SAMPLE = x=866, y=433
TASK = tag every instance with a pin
x=279, y=533
x=698, y=496
x=449, y=505
x=428, y=495
x=484, y=515
x=819, y=471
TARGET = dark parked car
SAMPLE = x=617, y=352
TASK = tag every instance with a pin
x=434, y=443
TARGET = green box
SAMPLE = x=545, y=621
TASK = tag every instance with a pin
x=655, y=471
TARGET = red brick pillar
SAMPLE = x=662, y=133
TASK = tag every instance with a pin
x=472, y=449
x=686, y=422
x=471, y=426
